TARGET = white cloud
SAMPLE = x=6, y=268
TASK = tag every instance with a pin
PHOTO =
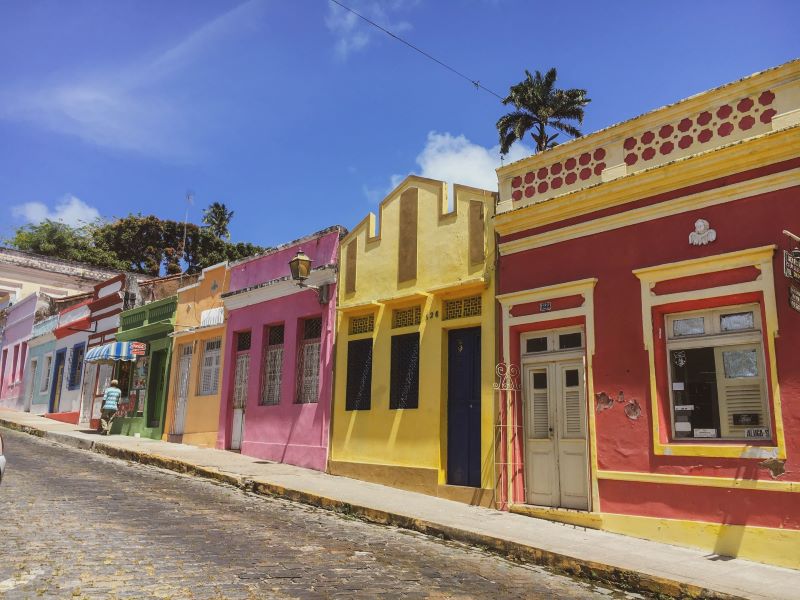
x=455, y=159
x=126, y=108
x=353, y=33
x=69, y=209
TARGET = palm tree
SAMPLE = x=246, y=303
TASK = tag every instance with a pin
x=217, y=217
x=540, y=105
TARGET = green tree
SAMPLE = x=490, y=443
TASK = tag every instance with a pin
x=59, y=240
x=217, y=217
x=136, y=239
x=539, y=107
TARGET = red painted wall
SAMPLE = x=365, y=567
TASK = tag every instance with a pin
x=621, y=363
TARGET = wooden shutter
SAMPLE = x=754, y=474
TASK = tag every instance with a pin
x=573, y=403
x=741, y=389
x=359, y=375
x=540, y=407
x=404, y=392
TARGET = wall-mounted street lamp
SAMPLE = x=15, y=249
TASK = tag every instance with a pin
x=300, y=266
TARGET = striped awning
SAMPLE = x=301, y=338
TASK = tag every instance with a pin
x=112, y=351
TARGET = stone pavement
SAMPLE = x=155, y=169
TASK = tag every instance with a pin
x=81, y=525
x=637, y=564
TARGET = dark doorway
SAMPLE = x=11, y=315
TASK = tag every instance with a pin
x=155, y=388
x=464, y=407
x=58, y=380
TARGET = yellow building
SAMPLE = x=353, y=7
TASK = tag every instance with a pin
x=415, y=353
x=196, y=372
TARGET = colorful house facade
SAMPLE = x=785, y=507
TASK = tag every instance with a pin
x=197, y=349
x=277, y=371
x=17, y=322
x=39, y=369
x=650, y=327
x=72, y=335
x=108, y=300
x=415, y=357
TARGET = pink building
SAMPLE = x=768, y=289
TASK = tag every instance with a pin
x=277, y=369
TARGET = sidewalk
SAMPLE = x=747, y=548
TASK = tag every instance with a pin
x=633, y=564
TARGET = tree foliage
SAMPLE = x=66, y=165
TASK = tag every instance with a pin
x=539, y=107
x=137, y=243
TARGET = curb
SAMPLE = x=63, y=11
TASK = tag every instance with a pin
x=655, y=586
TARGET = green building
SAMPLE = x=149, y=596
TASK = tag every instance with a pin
x=144, y=381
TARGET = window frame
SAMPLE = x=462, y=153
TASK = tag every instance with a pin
x=76, y=373
x=300, y=366
x=202, y=370
x=714, y=337
x=553, y=346
x=44, y=384
x=266, y=348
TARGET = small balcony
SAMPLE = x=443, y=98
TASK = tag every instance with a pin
x=161, y=311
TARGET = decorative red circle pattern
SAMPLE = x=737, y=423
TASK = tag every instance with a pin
x=720, y=122
x=558, y=175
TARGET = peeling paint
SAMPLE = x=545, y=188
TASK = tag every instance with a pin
x=776, y=467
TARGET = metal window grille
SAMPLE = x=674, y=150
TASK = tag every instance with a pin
x=48, y=369
x=406, y=317
x=359, y=375
x=240, y=380
x=272, y=367
x=308, y=362
x=243, y=341
x=404, y=392
x=462, y=307
x=209, y=372
x=364, y=324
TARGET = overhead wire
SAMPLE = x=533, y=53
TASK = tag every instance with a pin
x=478, y=85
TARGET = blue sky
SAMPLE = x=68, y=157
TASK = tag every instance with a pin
x=299, y=117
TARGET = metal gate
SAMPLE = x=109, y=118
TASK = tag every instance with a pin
x=182, y=390
x=239, y=399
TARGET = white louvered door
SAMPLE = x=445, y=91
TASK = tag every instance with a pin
x=571, y=436
x=555, y=422
x=240, y=380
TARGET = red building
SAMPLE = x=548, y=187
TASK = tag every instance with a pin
x=647, y=325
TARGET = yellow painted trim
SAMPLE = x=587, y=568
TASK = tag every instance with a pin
x=590, y=520
x=585, y=288
x=405, y=299
x=363, y=306
x=773, y=77
x=464, y=286
x=761, y=544
x=767, y=148
x=659, y=210
x=703, y=481
x=761, y=258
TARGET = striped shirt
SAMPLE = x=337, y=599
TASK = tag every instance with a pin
x=111, y=398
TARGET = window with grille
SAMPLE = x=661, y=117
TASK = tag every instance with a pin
x=359, y=375
x=209, y=368
x=406, y=317
x=76, y=366
x=243, y=341
x=404, y=382
x=462, y=307
x=308, y=361
x=364, y=324
x=272, y=369
x=716, y=374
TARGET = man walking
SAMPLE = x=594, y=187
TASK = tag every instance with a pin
x=110, y=404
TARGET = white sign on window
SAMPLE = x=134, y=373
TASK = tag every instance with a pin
x=705, y=433
x=683, y=426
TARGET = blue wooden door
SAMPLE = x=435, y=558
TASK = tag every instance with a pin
x=464, y=407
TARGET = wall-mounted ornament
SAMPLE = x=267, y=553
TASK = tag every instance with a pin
x=632, y=409
x=679, y=358
x=603, y=401
x=702, y=234
x=507, y=377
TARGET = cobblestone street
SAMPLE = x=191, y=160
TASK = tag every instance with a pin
x=80, y=525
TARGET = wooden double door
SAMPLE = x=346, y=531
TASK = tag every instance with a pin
x=556, y=449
